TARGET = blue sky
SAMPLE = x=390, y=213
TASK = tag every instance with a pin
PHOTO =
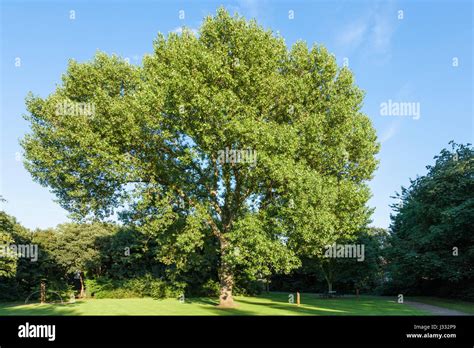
x=402, y=60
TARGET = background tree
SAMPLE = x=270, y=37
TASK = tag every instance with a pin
x=153, y=146
x=21, y=276
x=76, y=249
x=432, y=237
x=366, y=275
x=125, y=254
x=349, y=274
x=8, y=261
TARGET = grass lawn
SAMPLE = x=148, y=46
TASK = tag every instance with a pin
x=267, y=304
x=462, y=306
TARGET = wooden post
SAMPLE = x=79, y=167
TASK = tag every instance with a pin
x=357, y=292
x=297, y=298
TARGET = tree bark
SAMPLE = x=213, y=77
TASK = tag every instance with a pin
x=82, y=293
x=328, y=276
x=42, y=292
x=226, y=280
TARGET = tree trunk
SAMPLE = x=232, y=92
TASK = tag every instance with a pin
x=226, y=280
x=82, y=293
x=42, y=291
x=328, y=276
x=329, y=285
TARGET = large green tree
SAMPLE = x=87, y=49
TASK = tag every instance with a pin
x=149, y=140
x=432, y=237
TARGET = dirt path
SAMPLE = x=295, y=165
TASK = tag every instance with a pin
x=435, y=310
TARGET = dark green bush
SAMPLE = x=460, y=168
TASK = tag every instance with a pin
x=211, y=288
x=136, y=287
x=161, y=289
x=245, y=287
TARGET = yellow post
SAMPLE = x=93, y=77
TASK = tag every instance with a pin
x=297, y=298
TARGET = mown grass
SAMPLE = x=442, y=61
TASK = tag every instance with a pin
x=267, y=304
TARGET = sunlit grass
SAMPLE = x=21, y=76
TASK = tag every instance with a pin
x=266, y=304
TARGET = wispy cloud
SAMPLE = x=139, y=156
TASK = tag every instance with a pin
x=404, y=93
x=250, y=7
x=372, y=33
x=353, y=34
x=390, y=132
x=382, y=32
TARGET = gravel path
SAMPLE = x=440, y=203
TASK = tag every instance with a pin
x=435, y=310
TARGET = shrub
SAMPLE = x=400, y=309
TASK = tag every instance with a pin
x=136, y=287
x=109, y=288
x=246, y=287
x=10, y=291
x=162, y=289
x=57, y=289
x=211, y=288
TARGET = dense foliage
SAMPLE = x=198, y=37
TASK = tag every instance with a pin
x=432, y=234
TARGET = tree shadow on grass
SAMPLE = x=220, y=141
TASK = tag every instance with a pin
x=294, y=309
x=312, y=304
x=14, y=309
x=231, y=311
x=202, y=300
x=211, y=307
